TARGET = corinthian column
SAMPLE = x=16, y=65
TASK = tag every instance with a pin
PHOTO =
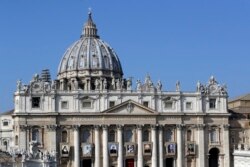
x=120, y=147
x=154, y=150
x=97, y=146
x=105, y=146
x=139, y=142
x=180, y=162
x=226, y=146
x=76, y=146
x=161, y=156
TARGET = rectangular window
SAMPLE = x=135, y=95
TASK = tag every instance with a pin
x=213, y=136
x=168, y=105
x=111, y=104
x=86, y=104
x=64, y=105
x=36, y=102
x=5, y=123
x=145, y=103
x=212, y=103
x=188, y=106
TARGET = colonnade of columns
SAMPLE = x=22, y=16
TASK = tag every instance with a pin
x=101, y=153
x=157, y=156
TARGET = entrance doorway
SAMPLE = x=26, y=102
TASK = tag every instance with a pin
x=130, y=163
x=87, y=163
x=214, y=157
x=169, y=162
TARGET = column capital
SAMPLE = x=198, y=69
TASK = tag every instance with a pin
x=51, y=127
x=75, y=127
x=200, y=126
x=119, y=127
x=226, y=126
x=153, y=127
x=180, y=126
x=23, y=127
x=160, y=127
x=104, y=127
x=96, y=127
x=139, y=127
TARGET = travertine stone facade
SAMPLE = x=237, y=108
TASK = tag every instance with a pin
x=239, y=129
x=91, y=115
x=6, y=131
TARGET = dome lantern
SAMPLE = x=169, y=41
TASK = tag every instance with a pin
x=89, y=29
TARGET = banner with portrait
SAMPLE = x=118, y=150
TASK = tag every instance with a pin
x=113, y=149
x=130, y=149
x=147, y=148
x=191, y=148
x=171, y=148
x=64, y=150
x=87, y=149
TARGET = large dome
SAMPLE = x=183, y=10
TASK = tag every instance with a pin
x=89, y=57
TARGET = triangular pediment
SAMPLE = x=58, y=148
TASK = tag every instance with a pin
x=130, y=107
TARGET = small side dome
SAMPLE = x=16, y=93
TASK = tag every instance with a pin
x=90, y=57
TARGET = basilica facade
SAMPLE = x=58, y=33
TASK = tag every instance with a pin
x=92, y=116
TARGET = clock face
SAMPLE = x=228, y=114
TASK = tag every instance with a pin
x=213, y=88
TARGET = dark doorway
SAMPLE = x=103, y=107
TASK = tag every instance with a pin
x=87, y=163
x=169, y=162
x=214, y=157
x=130, y=162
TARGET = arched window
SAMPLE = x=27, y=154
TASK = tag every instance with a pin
x=16, y=140
x=86, y=136
x=189, y=135
x=145, y=135
x=128, y=135
x=64, y=136
x=168, y=135
x=111, y=136
x=35, y=135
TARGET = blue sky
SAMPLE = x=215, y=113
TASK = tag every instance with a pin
x=169, y=39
